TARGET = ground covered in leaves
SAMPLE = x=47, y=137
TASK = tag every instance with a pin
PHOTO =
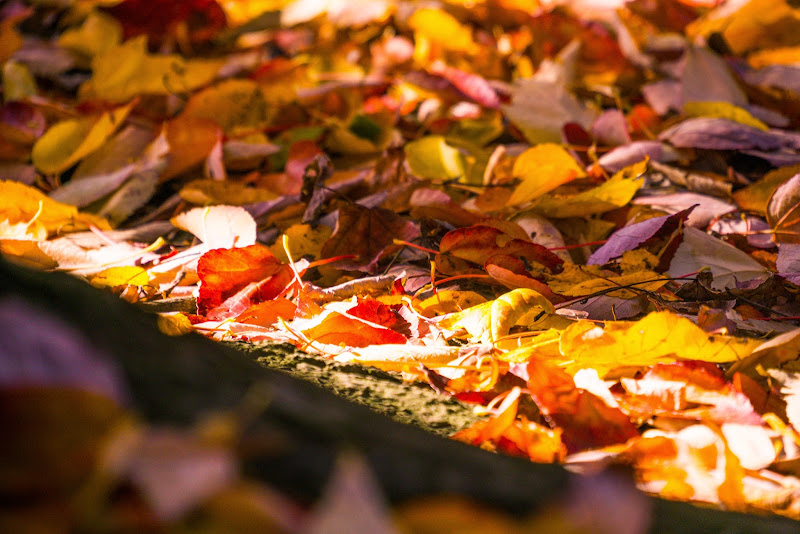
x=582, y=219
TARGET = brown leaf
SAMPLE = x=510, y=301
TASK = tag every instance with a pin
x=367, y=233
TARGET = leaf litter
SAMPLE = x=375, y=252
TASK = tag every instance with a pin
x=582, y=221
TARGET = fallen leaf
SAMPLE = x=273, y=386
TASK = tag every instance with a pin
x=67, y=142
x=658, y=337
x=127, y=70
x=367, y=233
x=492, y=320
x=432, y=157
x=40, y=215
x=219, y=226
x=225, y=272
x=728, y=265
x=541, y=169
x=585, y=420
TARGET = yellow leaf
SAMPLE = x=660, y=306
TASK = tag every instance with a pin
x=785, y=55
x=723, y=110
x=304, y=240
x=432, y=157
x=127, y=70
x=397, y=357
x=614, y=193
x=238, y=12
x=69, y=141
x=659, y=337
x=758, y=24
x=206, y=192
x=491, y=320
x=542, y=168
x=98, y=33
x=120, y=276
x=361, y=135
x=644, y=280
x=233, y=104
x=26, y=253
x=755, y=197
x=20, y=203
x=174, y=324
x=18, y=82
x=545, y=346
x=441, y=28
x=449, y=301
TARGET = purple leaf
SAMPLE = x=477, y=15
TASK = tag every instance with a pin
x=634, y=152
x=707, y=207
x=630, y=237
x=720, y=134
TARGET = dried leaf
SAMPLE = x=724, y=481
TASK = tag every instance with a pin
x=127, y=70
x=219, y=226
x=492, y=320
x=541, y=169
x=67, y=142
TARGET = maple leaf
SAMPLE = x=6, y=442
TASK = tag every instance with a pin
x=231, y=280
x=368, y=234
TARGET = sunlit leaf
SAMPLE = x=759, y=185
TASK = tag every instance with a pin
x=432, y=157
x=491, y=320
x=727, y=263
x=347, y=330
x=98, y=33
x=22, y=204
x=611, y=194
x=219, y=226
x=722, y=110
x=441, y=28
x=67, y=142
x=304, y=240
x=659, y=337
x=125, y=71
x=541, y=169
x=120, y=276
x=586, y=421
x=449, y=301
x=225, y=272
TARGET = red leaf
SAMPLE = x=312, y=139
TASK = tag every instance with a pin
x=473, y=86
x=377, y=312
x=478, y=243
x=267, y=313
x=224, y=273
x=342, y=329
x=586, y=420
x=159, y=19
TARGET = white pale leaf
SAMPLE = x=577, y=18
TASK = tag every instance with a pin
x=728, y=264
x=219, y=226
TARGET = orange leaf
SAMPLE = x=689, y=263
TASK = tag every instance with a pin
x=224, y=273
x=587, y=421
x=267, y=313
x=342, y=329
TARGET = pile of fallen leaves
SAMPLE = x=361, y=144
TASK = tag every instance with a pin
x=582, y=218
